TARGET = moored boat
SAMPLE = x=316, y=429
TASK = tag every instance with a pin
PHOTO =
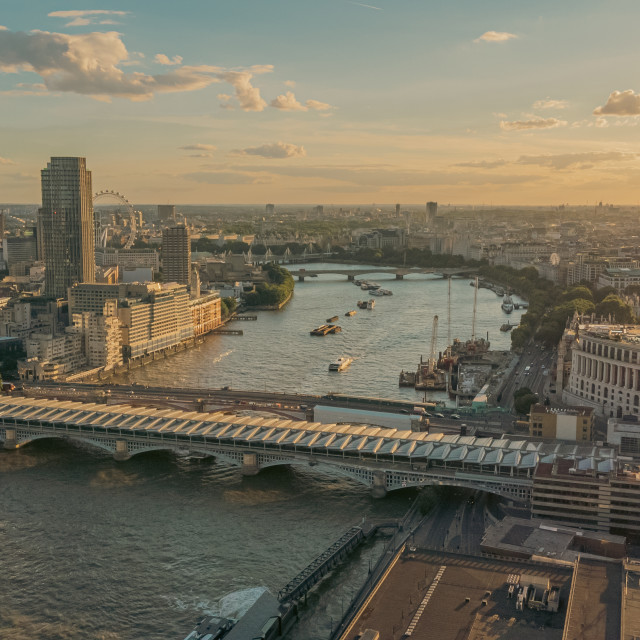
x=507, y=304
x=332, y=319
x=340, y=364
x=350, y=314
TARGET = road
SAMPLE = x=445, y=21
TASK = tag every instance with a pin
x=537, y=378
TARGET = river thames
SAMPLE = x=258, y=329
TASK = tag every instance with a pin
x=92, y=548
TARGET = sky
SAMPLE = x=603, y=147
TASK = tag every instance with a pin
x=325, y=101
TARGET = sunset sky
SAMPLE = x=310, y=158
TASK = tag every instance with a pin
x=325, y=101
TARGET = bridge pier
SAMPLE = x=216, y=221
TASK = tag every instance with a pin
x=250, y=466
x=10, y=439
x=399, y=276
x=379, y=484
x=300, y=278
x=122, y=451
x=350, y=277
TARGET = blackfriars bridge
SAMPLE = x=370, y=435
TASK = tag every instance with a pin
x=399, y=272
x=381, y=458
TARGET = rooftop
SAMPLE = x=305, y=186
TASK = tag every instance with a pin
x=570, y=411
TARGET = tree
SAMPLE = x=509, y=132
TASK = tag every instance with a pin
x=578, y=292
x=228, y=306
x=600, y=294
x=523, y=398
x=619, y=310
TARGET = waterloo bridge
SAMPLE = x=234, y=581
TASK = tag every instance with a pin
x=381, y=458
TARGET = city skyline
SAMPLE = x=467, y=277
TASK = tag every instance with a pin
x=343, y=102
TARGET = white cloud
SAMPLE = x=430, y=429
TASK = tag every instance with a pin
x=290, y=83
x=276, y=150
x=90, y=64
x=549, y=103
x=317, y=105
x=495, y=36
x=6, y=161
x=620, y=103
x=82, y=17
x=198, y=147
x=289, y=102
x=3, y=28
x=160, y=58
x=534, y=123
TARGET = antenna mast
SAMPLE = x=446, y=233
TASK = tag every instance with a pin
x=475, y=305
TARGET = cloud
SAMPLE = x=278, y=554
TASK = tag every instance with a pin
x=198, y=147
x=561, y=161
x=200, y=155
x=482, y=164
x=366, y=6
x=276, y=150
x=290, y=83
x=6, y=161
x=160, y=58
x=620, y=103
x=549, y=103
x=583, y=160
x=535, y=123
x=222, y=177
x=90, y=64
x=3, y=28
x=26, y=89
x=289, y=102
x=495, y=36
x=82, y=18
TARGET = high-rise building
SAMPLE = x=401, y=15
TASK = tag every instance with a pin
x=1, y=224
x=270, y=209
x=167, y=212
x=67, y=225
x=176, y=255
x=398, y=210
x=432, y=212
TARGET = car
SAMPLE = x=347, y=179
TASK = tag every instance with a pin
x=438, y=415
x=404, y=411
x=454, y=416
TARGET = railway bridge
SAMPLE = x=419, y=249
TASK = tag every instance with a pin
x=381, y=458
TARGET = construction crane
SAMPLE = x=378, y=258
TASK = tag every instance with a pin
x=475, y=306
x=434, y=343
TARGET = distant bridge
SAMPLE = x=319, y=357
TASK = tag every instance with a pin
x=383, y=459
x=398, y=272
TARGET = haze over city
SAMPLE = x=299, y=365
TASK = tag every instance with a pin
x=334, y=102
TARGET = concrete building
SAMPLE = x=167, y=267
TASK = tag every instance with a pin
x=67, y=225
x=605, y=369
x=575, y=423
x=588, y=267
x=15, y=321
x=206, y=313
x=20, y=249
x=167, y=212
x=603, y=498
x=618, y=278
x=270, y=209
x=51, y=357
x=158, y=319
x=101, y=336
x=176, y=255
x=382, y=238
x=137, y=274
x=128, y=258
x=431, y=212
x=624, y=435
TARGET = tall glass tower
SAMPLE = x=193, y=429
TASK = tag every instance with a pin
x=67, y=225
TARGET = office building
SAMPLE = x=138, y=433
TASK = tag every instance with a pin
x=605, y=369
x=624, y=435
x=601, y=497
x=67, y=225
x=270, y=209
x=574, y=424
x=206, y=313
x=432, y=212
x=167, y=212
x=101, y=336
x=176, y=255
x=397, y=210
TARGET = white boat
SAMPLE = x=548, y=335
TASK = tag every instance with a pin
x=376, y=292
x=386, y=292
x=507, y=304
x=340, y=364
x=371, y=304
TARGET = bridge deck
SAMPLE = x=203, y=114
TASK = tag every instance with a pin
x=368, y=445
